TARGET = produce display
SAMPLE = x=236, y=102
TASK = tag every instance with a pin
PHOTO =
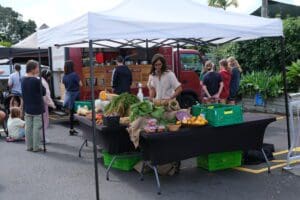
x=140, y=109
x=157, y=116
x=120, y=105
x=194, y=121
x=83, y=111
x=153, y=127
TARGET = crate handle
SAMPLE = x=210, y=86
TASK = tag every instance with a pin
x=228, y=112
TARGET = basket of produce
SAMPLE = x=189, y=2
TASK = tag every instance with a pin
x=173, y=127
x=193, y=121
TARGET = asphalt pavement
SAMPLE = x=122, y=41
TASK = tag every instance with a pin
x=59, y=174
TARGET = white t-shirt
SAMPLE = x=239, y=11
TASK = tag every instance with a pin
x=14, y=125
x=165, y=86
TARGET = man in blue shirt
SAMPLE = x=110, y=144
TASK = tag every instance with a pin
x=121, y=77
x=14, y=81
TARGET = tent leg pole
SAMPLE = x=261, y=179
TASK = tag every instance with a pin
x=282, y=63
x=92, y=73
x=43, y=120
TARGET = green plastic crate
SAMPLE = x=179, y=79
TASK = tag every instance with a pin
x=202, y=108
x=82, y=104
x=222, y=115
x=123, y=162
x=219, y=161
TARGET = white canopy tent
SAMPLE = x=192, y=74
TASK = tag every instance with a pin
x=144, y=19
x=29, y=42
x=148, y=23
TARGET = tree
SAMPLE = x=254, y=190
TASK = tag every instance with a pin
x=12, y=27
x=265, y=53
x=223, y=3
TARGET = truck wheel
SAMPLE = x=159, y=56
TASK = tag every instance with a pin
x=186, y=101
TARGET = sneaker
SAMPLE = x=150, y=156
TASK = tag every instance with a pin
x=37, y=150
x=29, y=149
x=73, y=132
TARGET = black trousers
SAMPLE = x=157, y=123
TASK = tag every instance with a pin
x=72, y=119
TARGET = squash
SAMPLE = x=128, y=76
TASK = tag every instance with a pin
x=106, y=96
x=103, y=96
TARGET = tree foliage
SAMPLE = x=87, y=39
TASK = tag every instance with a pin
x=265, y=53
x=222, y=3
x=12, y=27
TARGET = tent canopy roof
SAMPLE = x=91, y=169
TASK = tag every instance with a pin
x=156, y=19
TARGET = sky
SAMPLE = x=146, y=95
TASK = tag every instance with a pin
x=55, y=12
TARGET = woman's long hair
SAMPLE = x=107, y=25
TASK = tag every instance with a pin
x=69, y=67
x=162, y=59
x=235, y=63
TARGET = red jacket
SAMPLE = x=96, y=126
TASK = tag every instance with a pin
x=226, y=78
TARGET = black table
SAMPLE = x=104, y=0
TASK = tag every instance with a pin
x=114, y=140
x=187, y=143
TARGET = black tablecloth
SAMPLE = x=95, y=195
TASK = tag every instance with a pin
x=114, y=140
x=190, y=142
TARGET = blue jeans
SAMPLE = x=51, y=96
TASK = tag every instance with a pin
x=70, y=98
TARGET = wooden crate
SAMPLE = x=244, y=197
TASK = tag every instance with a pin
x=103, y=75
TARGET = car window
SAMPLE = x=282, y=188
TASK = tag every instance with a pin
x=191, y=62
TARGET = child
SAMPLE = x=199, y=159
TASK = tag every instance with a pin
x=212, y=85
x=17, y=101
x=15, y=125
x=226, y=77
x=33, y=92
x=236, y=71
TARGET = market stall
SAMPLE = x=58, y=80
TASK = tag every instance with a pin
x=134, y=24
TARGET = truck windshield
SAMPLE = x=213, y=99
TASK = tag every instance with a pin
x=191, y=62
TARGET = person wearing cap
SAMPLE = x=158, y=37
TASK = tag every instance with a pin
x=121, y=77
x=14, y=81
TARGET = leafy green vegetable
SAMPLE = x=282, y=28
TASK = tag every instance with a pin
x=158, y=112
x=140, y=109
x=120, y=105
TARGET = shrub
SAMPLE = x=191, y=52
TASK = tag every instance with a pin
x=293, y=75
x=264, y=82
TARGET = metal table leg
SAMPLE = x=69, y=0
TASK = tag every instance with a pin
x=157, y=180
x=79, y=153
x=267, y=160
x=109, y=166
x=142, y=171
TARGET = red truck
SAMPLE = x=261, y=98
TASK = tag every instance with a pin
x=187, y=70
